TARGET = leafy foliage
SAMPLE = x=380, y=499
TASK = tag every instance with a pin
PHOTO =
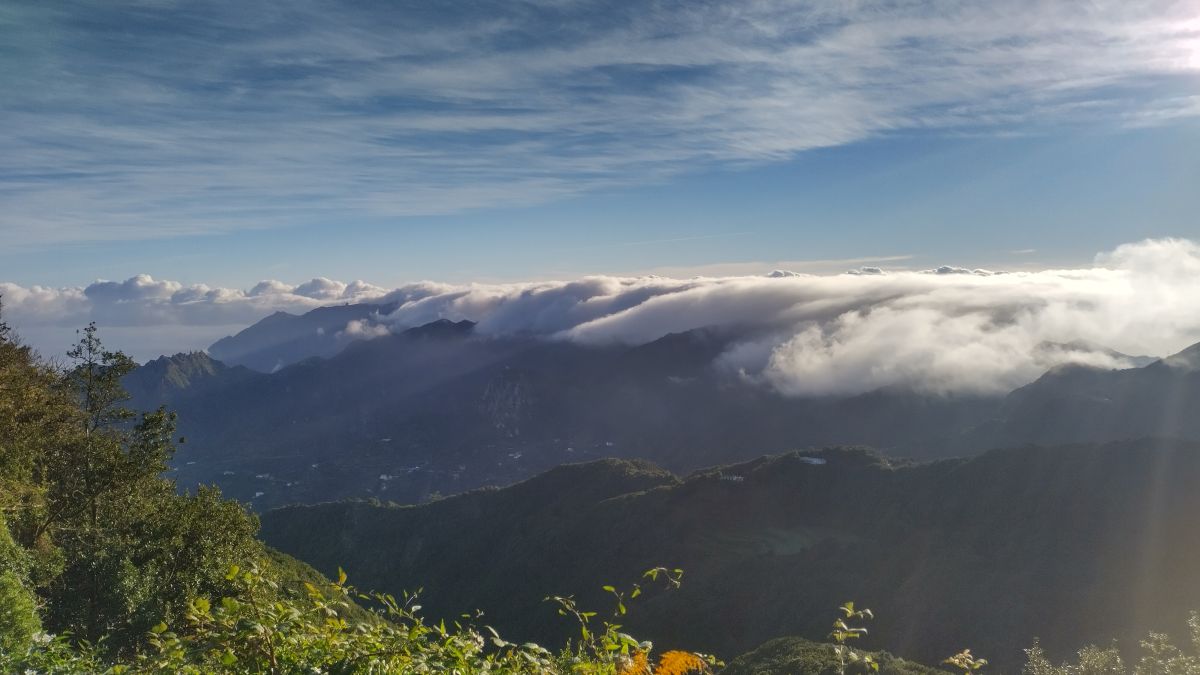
x=263, y=628
x=599, y=650
x=843, y=633
x=91, y=534
x=18, y=614
x=1158, y=656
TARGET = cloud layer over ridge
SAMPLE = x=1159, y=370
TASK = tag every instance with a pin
x=945, y=330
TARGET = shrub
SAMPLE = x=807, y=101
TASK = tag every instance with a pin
x=18, y=614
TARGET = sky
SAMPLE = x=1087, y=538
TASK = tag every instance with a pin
x=217, y=144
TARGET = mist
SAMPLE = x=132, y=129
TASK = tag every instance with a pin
x=943, y=330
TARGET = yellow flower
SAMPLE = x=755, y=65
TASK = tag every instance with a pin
x=639, y=665
x=679, y=663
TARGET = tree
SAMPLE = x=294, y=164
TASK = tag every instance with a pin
x=107, y=543
x=18, y=608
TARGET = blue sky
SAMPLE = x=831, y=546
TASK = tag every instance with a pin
x=191, y=150
x=920, y=201
x=227, y=142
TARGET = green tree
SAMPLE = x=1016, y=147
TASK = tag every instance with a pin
x=18, y=607
x=136, y=550
x=107, y=543
x=18, y=614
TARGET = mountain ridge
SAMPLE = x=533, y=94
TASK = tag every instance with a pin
x=988, y=549
x=440, y=409
x=281, y=339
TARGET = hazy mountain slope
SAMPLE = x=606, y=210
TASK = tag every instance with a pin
x=1082, y=404
x=282, y=339
x=265, y=431
x=1071, y=544
x=437, y=409
x=440, y=409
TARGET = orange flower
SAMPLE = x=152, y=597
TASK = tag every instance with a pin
x=679, y=663
x=638, y=666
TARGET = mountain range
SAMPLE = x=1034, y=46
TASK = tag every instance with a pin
x=297, y=413
x=620, y=458
x=282, y=339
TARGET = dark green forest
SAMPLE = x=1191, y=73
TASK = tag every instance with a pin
x=1072, y=544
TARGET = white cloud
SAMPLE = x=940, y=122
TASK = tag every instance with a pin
x=968, y=330
x=148, y=317
x=359, y=329
x=949, y=329
x=272, y=117
x=866, y=270
x=320, y=288
x=950, y=269
x=270, y=287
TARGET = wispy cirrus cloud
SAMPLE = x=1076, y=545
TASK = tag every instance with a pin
x=132, y=120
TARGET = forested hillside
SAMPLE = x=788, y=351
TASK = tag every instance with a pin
x=105, y=567
x=93, y=537
x=1069, y=544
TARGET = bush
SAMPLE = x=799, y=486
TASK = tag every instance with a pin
x=18, y=615
x=262, y=628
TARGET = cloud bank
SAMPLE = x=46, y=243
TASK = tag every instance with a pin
x=945, y=329
x=941, y=330
x=148, y=317
x=135, y=120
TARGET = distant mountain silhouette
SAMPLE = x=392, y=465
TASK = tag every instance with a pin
x=282, y=339
x=439, y=409
x=1084, y=404
x=1186, y=360
x=166, y=377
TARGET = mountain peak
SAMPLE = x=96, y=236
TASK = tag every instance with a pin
x=1187, y=359
x=1060, y=350
x=185, y=365
x=441, y=328
x=282, y=338
x=157, y=381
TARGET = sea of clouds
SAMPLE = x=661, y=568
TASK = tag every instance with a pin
x=942, y=330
